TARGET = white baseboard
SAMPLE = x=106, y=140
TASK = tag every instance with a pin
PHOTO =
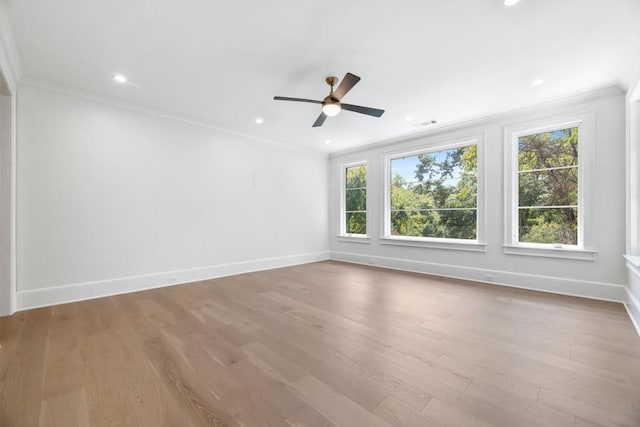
x=556, y=285
x=103, y=288
x=633, y=310
x=632, y=303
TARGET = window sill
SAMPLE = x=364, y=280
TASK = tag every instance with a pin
x=633, y=261
x=353, y=238
x=448, y=244
x=562, y=253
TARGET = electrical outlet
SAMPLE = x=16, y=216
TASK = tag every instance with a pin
x=172, y=280
x=489, y=277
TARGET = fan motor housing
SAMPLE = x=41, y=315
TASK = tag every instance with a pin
x=330, y=100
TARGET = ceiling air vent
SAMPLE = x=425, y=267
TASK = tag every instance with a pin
x=427, y=123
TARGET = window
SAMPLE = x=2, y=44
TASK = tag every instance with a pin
x=547, y=196
x=548, y=187
x=354, y=200
x=433, y=194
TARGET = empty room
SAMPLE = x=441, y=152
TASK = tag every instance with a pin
x=316, y=214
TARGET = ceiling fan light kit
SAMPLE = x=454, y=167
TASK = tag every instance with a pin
x=331, y=109
x=332, y=104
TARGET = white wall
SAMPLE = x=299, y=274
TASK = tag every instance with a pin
x=111, y=200
x=10, y=72
x=633, y=202
x=7, y=196
x=602, y=278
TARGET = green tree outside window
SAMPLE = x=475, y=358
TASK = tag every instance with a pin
x=439, y=198
x=356, y=200
x=548, y=187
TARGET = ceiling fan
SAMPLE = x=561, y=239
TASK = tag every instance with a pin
x=331, y=105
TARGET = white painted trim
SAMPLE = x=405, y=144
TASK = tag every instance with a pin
x=633, y=197
x=632, y=308
x=353, y=238
x=556, y=285
x=633, y=260
x=11, y=70
x=484, y=120
x=633, y=93
x=634, y=319
x=8, y=195
x=430, y=146
x=72, y=92
x=550, y=252
x=29, y=299
x=632, y=304
x=633, y=268
x=633, y=170
x=435, y=243
x=342, y=216
x=585, y=122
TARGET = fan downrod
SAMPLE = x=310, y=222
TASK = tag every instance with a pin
x=332, y=81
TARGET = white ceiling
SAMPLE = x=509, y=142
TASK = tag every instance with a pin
x=221, y=63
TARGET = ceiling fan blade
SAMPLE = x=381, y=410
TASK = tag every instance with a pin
x=285, y=98
x=347, y=83
x=375, y=112
x=320, y=120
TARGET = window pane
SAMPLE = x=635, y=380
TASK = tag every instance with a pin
x=548, y=150
x=449, y=224
x=356, y=177
x=356, y=200
x=405, y=197
x=436, y=180
x=356, y=223
x=548, y=165
x=554, y=187
x=355, y=203
x=548, y=225
x=411, y=223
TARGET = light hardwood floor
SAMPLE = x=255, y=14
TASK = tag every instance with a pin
x=323, y=344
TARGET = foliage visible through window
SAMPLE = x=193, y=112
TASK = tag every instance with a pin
x=548, y=187
x=356, y=200
x=434, y=194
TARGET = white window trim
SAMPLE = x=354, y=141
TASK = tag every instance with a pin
x=585, y=121
x=477, y=245
x=634, y=261
x=342, y=226
x=435, y=243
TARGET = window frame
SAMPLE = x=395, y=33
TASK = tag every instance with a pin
x=342, y=222
x=476, y=245
x=586, y=135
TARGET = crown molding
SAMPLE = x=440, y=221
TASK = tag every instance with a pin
x=139, y=109
x=483, y=120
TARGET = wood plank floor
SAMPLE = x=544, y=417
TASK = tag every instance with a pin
x=323, y=344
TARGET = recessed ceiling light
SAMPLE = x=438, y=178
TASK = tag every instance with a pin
x=537, y=82
x=408, y=118
x=328, y=141
x=259, y=121
x=120, y=78
x=510, y=2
